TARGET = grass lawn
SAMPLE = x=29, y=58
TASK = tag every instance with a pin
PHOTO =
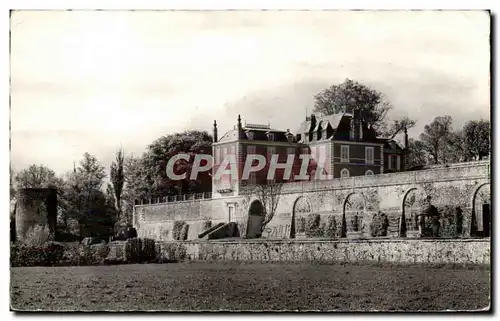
x=250, y=286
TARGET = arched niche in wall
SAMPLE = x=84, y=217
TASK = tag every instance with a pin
x=481, y=211
x=353, y=213
x=301, y=208
x=414, y=202
x=256, y=216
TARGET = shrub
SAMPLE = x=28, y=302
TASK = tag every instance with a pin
x=313, y=225
x=379, y=225
x=451, y=221
x=177, y=229
x=148, y=250
x=207, y=224
x=301, y=226
x=48, y=254
x=38, y=235
x=330, y=229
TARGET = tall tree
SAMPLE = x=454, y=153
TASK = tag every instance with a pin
x=138, y=184
x=36, y=176
x=84, y=200
x=349, y=95
x=392, y=128
x=118, y=178
x=416, y=155
x=269, y=194
x=436, y=137
x=477, y=138
x=161, y=151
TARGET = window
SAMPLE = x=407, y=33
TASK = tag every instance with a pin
x=369, y=155
x=252, y=178
x=271, y=150
x=250, y=135
x=369, y=173
x=398, y=163
x=344, y=153
x=344, y=173
x=271, y=136
x=251, y=149
x=389, y=161
x=217, y=155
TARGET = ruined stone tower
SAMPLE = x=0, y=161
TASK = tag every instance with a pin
x=29, y=210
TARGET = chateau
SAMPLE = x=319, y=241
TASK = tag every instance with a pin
x=340, y=146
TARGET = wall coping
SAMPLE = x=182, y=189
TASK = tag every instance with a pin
x=296, y=241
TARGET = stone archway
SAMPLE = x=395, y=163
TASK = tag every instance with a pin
x=353, y=215
x=301, y=207
x=481, y=211
x=256, y=216
x=413, y=203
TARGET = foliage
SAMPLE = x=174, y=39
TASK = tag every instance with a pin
x=83, y=200
x=164, y=148
x=178, y=229
x=435, y=138
x=301, y=226
x=269, y=195
x=393, y=128
x=48, y=254
x=38, y=235
x=450, y=221
x=313, y=228
x=37, y=176
x=117, y=174
x=379, y=224
x=207, y=224
x=330, y=229
x=171, y=252
x=416, y=154
x=477, y=138
x=349, y=95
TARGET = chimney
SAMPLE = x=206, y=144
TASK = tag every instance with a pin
x=215, y=132
x=241, y=134
x=289, y=136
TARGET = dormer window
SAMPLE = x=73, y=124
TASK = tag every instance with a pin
x=270, y=136
x=250, y=135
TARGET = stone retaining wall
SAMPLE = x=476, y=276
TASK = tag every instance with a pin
x=458, y=251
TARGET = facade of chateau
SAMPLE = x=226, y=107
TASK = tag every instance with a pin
x=340, y=146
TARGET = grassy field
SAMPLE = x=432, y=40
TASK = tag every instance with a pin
x=233, y=286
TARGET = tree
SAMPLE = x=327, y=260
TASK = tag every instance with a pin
x=349, y=95
x=118, y=178
x=374, y=106
x=160, y=152
x=435, y=138
x=393, y=128
x=416, y=155
x=91, y=172
x=269, y=195
x=84, y=201
x=477, y=138
x=36, y=176
x=456, y=149
x=138, y=184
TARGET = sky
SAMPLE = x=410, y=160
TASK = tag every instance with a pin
x=92, y=81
